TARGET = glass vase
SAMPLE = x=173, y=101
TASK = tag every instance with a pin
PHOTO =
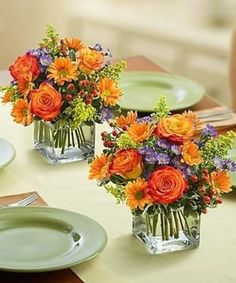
x=163, y=234
x=61, y=144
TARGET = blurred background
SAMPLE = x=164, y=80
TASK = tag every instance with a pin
x=186, y=37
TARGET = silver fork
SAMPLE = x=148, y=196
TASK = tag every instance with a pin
x=24, y=202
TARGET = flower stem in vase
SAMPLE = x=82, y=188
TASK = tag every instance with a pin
x=59, y=142
x=176, y=234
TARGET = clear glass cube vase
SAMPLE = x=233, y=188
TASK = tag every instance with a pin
x=62, y=144
x=163, y=234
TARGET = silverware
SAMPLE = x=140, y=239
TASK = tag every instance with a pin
x=216, y=118
x=24, y=202
x=215, y=113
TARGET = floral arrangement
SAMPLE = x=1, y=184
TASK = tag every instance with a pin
x=161, y=163
x=63, y=82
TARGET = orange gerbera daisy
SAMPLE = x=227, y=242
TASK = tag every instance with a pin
x=21, y=112
x=221, y=182
x=122, y=120
x=99, y=168
x=139, y=131
x=109, y=91
x=194, y=117
x=25, y=84
x=62, y=70
x=137, y=194
x=191, y=153
x=74, y=43
x=7, y=97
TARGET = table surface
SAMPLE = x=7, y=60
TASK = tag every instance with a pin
x=124, y=259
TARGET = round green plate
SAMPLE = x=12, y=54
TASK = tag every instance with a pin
x=36, y=239
x=141, y=91
x=7, y=153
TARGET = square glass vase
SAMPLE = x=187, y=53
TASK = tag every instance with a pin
x=161, y=234
x=62, y=144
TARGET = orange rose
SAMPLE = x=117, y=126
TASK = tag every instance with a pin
x=166, y=185
x=177, y=128
x=127, y=163
x=90, y=60
x=27, y=64
x=45, y=102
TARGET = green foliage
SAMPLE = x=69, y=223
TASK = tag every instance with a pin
x=218, y=146
x=117, y=191
x=125, y=141
x=113, y=71
x=51, y=41
x=161, y=109
x=15, y=95
x=79, y=112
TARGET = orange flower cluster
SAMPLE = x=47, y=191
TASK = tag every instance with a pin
x=60, y=75
x=158, y=162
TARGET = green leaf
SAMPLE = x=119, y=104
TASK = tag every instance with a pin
x=117, y=179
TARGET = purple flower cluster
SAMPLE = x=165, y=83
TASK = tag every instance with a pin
x=151, y=156
x=227, y=164
x=163, y=144
x=43, y=55
x=98, y=47
x=146, y=119
x=105, y=114
x=209, y=130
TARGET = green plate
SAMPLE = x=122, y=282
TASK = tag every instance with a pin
x=36, y=239
x=7, y=153
x=141, y=91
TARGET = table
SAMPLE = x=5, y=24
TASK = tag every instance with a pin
x=124, y=259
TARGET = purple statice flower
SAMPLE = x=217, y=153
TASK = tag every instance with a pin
x=162, y=158
x=230, y=165
x=105, y=114
x=163, y=144
x=209, y=130
x=218, y=162
x=175, y=149
x=146, y=119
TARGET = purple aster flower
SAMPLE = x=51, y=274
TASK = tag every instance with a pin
x=146, y=119
x=187, y=170
x=230, y=165
x=45, y=59
x=176, y=162
x=175, y=149
x=35, y=52
x=150, y=156
x=218, y=162
x=105, y=114
x=163, y=144
x=163, y=158
x=97, y=47
x=108, y=53
x=209, y=130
